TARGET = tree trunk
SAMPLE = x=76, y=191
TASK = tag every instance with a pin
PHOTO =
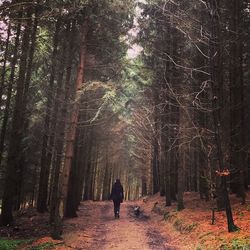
x=58, y=123
x=44, y=173
x=216, y=69
x=238, y=157
x=3, y=74
x=155, y=167
x=9, y=90
x=181, y=184
x=25, y=118
x=168, y=180
x=106, y=191
x=11, y=180
x=70, y=138
x=72, y=199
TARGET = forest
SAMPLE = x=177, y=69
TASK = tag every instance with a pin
x=153, y=92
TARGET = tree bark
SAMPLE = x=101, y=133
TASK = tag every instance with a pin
x=216, y=69
x=9, y=90
x=3, y=73
x=73, y=184
x=14, y=150
x=57, y=136
x=24, y=117
x=238, y=157
x=70, y=137
x=155, y=167
x=44, y=173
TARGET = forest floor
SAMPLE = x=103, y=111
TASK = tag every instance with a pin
x=96, y=228
x=156, y=228
x=192, y=229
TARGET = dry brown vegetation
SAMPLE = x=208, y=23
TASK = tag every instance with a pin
x=192, y=227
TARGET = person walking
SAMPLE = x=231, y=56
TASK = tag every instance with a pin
x=117, y=196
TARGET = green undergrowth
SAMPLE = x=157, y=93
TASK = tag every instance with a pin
x=183, y=227
x=179, y=224
x=172, y=217
x=7, y=244
x=223, y=244
x=237, y=244
x=169, y=216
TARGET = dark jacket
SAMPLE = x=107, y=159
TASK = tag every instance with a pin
x=117, y=192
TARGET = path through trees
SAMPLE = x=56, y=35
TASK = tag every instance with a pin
x=96, y=228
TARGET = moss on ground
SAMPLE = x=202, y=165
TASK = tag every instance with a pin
x=10, y=244
x=7, y=244
x=237, y=244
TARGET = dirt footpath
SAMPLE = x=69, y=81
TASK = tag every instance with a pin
x=96, y=228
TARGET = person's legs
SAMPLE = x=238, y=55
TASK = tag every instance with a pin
x=116, y=208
